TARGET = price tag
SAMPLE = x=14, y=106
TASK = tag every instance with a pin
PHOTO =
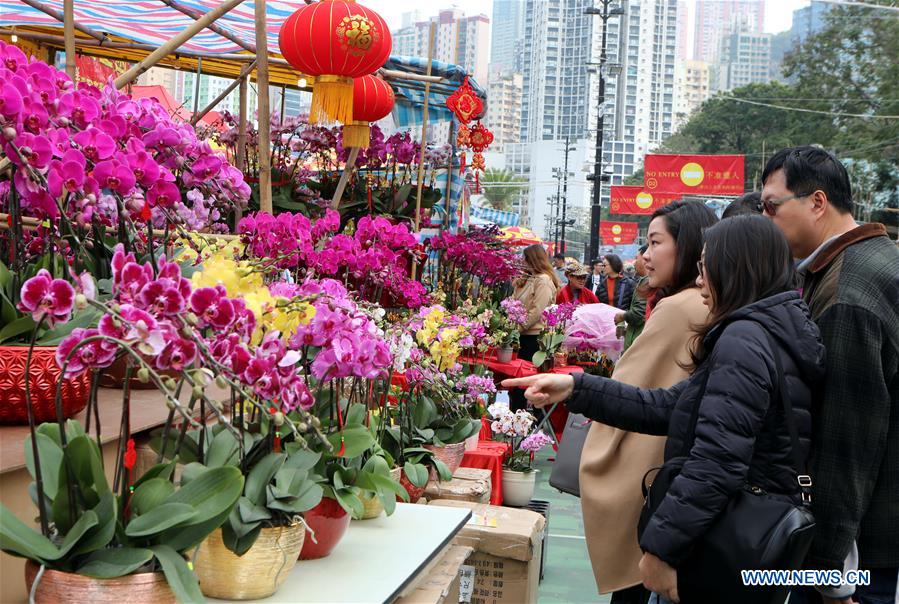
x=482, y=520
x=466, y=583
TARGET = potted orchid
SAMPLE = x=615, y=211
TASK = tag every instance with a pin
x=556, y=317
x=519, y=477
x=514, y=315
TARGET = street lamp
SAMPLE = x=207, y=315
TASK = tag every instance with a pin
x=606, y=11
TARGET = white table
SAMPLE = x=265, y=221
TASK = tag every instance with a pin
x=376, y=559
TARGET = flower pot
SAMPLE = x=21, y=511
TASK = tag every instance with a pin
x=547, y=365
x=415, y=492
x=471, y=443
x=45, y=375
x=560, y=359
x=372, y=506
x=256, y=574
x=328, y=523
x=57, y=586
x=451, y=455
x=504, y=355
x=518, y=487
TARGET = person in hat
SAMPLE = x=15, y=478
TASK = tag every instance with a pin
x=575, y=292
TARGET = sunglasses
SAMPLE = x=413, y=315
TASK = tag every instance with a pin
x=770, y=205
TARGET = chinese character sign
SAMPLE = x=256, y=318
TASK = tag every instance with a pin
x=694, y=174
x=618, y=233
x=635, y=200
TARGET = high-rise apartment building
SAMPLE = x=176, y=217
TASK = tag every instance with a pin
x=717, y=18
x=504, y=107
x=683, y=31
x=639, y=107
x=459, y=39
x=507, y=35
x=691, y=89
x=745, y=58
x=170, y=79
x=809, y=20
x=557, y=47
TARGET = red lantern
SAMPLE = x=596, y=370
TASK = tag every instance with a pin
x=372, y=100
x=334, y=41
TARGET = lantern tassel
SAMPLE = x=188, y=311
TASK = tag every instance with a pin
x=332, y=100
x=356, y=134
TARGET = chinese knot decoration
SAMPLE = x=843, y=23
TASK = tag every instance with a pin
x=334, y=41
x=466, y=105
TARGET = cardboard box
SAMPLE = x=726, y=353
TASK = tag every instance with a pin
x=507, y=543
x=441, y=585
x=468, y=484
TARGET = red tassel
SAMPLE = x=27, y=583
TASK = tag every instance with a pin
x=145, y=214
x=342, y=450
x=462, y=163
x=370, y=208
x=477, y=182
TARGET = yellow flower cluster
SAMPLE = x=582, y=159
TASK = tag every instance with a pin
x=430, y=327
x=441, y=343
x=240, y=281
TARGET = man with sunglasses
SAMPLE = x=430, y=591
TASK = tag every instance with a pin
x=851, y=283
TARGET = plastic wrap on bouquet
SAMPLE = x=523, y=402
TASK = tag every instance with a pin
x=592, y=327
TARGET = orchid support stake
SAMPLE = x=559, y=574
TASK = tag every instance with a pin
x=124, y=433
x=38, y=477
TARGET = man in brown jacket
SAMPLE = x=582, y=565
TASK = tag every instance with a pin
x=851, y=284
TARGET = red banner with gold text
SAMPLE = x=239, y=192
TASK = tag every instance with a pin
x=617, y=233
x=694, y=174
x=634, y=200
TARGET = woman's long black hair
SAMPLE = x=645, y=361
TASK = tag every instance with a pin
x=747, y=259
x=685, y=221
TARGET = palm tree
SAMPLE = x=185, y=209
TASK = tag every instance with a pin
x=501, y=187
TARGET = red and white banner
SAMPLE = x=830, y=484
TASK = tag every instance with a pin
x=694, y=174
x=634, y=200
x=617, y=233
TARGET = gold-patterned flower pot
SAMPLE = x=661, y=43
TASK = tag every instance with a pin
x=451, y=455
x=371, y=504
x=57, y=586
x=258, y=573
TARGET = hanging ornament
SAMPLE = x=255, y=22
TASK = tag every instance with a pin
x=465, y=104
x=477, y=162
x=463, y=136
x=373, y=99
x=461, y=162
x=480, y=138
x=334, y=41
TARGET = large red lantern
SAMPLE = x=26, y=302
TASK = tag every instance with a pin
x=334, y=41
x=372, y=100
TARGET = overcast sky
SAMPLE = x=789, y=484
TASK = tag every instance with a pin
x=778, y=13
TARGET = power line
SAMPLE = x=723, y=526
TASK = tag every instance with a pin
x=816, y=111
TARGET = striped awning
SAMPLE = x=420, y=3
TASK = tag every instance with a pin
x=497, y=217
x=410, y=94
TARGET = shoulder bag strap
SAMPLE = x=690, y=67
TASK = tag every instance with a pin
x=802, y=475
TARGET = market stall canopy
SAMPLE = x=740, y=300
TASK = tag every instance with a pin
x=487, y=215
x=518, y=235
x=137, y=27
x=410, y=94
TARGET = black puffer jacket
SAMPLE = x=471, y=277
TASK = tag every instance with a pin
x=741, y=437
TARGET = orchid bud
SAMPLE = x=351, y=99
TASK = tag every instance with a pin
x=80, y=301
x=9, y=133
x=64, y=121
x=198, y=391
x=170, y=404
x=221, y=382
x=191, y=318
x=316, y=422
x=302, y=426
x=278, y=419
x=143, y=375
x=169, y=383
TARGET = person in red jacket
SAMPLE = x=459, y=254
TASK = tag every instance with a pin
x=575, y=292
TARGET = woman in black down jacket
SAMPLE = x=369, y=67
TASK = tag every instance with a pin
x=747, y=280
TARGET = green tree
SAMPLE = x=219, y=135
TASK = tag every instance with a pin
x=502, y=187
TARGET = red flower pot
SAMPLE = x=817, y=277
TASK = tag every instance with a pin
x=45, y=374
x=329, y=522
x=415, y=492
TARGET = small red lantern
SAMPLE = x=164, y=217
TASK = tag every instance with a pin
x=373, y=99
x=465, y=103
x=334, y=41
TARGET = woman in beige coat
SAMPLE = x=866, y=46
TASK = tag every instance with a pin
x=536, y=290
x=613, y=461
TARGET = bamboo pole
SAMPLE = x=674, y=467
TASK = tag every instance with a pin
x=197, y=85
x=196, y=15
x=242, y=132
x=392, y=74
x=243, y=74
x=100, y=36
x=31, y=223
x=264, y=110
x=449, y=175
x=169, y=47
x=345, y=177
x=424, y=138
x=69, y=29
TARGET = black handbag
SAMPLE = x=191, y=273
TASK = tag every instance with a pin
x=564, y=474
x=756, y=531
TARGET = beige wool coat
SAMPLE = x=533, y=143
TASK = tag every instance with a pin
x=613, y=461
x=536, y=292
